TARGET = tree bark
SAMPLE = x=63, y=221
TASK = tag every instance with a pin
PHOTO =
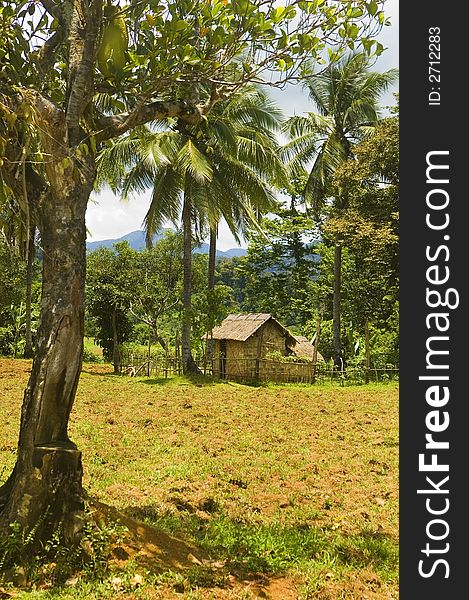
x=367, y=352
x=45, y=487
x=337, y=342
x=161, y=341
x=188, y=363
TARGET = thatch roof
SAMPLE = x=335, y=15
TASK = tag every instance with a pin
x=303, y=348
x=240, y=327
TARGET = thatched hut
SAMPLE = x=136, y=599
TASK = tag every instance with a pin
x=242, y=342
x=303, y=348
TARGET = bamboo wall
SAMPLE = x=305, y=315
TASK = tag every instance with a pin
x=241, y=358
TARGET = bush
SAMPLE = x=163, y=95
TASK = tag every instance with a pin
x=7, y=341
x=54, y=561
x=291, y=358
x=91, y=357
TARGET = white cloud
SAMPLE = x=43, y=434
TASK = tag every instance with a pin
x=108, y=217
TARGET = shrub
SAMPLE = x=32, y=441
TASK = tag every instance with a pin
x=7, y=341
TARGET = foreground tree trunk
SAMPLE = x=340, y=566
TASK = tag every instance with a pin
x=188, y=363
x=337, y=342
x=45, y=487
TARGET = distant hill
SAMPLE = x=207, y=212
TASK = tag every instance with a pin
x=136, y=240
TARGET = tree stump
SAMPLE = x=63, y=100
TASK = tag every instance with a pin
x=49, y=496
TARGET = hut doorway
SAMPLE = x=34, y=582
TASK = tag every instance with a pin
x=222, y=359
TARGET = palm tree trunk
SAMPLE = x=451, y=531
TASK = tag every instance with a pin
x=337, y=343
x=28, y=347
x=212, y=256
x=188, y=363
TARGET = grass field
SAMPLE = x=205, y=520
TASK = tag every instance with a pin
x=271, y=492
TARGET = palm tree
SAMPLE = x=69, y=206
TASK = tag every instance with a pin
x=345, y=96
x=222, y=168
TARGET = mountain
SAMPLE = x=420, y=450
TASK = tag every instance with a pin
x=136, y=240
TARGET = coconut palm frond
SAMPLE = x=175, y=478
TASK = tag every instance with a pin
x=106, y=103
x=137, y=180
x=318, y=90
x=345, y=96
x=300, y=151
x=266, y=117
x=375, y=84
x=191, y=159
x=255, y=150
x=221, y=134
x=114, y=161
x=246, y=182
x=166, y=200
x=329, y=157
x=252, y=106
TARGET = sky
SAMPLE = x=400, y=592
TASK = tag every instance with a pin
x=108, y=217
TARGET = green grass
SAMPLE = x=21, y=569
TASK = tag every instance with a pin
x=294, y=484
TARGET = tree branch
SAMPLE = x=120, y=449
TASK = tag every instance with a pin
x=46, y=53
x=55, y=10
x=113, y=126
x=83, y=38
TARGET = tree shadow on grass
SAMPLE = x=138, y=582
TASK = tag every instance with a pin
x=187, y=552
x=196, y=380
x=98, y=370
x=263, y=552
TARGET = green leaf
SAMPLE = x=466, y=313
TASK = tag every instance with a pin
x=333, y=56
x=372, y=8
x=282, y=65
x=368, y=44
x=355, y=13
x=277, y=14
x=283, y=42
x=93, y=143
x=179, y=25
x=353, y=31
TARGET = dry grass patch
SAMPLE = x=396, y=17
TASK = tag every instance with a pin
x=283, y=487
